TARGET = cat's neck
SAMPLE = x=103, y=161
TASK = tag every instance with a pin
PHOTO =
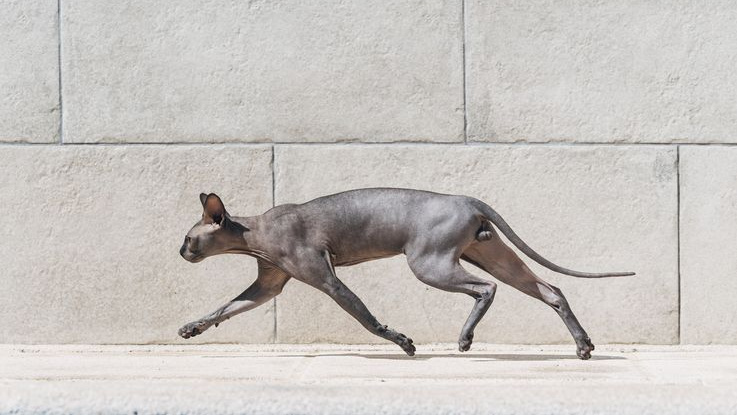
x=251, y=235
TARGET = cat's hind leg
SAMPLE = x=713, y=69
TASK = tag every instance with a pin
x=443, y=271
x=496, y=258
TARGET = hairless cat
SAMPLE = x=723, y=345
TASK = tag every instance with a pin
x=435, y=231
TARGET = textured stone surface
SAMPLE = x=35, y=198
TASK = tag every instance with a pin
x=597, y=208
x=340, y=380
x=29, y=78
x=708, y=261
x=91, y=237
x=631, y=71
x=254, y=71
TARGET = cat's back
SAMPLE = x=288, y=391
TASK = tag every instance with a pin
x=379, y=209
x=373, y=199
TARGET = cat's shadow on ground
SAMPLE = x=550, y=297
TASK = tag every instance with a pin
x=522, y=357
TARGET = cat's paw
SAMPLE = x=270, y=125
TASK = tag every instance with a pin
x=193, y=329
x=406, y=344
x=464, y=343
x=584, y=350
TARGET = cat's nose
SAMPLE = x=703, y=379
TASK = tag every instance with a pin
x=182, y=249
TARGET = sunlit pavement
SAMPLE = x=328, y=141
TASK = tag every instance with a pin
x=341, y=379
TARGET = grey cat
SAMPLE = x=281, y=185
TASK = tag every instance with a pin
x=435, y=231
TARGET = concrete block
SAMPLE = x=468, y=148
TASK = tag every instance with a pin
x=91, y=237
x=633, y=71
x=186, y=71
x=29, y=78
x=708, y=263
x=595, y=208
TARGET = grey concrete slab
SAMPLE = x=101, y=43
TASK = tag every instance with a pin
x=708, y=224
x=278, y=379
x=632, y=71
x=91, y=237
x=597, y=208
x=29, y=77
x=190, y=71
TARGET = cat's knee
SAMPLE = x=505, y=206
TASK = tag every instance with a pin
x=487, y=291
x=554, y=298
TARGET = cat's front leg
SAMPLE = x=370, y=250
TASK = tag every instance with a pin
x=268, y=285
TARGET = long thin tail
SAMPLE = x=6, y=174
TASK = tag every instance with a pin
x=500, y=223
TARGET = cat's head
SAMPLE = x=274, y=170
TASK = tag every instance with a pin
x=215, y=233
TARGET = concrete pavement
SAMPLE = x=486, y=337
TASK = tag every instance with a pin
x=337, y=379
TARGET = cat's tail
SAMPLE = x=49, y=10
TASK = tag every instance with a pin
x=504, y=227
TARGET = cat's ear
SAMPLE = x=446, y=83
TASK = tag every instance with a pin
x=214, y=209
x=203, y=198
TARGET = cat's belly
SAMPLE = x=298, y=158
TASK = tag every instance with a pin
x=347, y=260
x=363, y=242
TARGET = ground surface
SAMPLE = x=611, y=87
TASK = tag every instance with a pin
x=229, y=379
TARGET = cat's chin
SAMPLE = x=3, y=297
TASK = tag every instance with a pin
x=194, y=259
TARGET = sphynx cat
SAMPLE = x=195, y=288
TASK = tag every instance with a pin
x=435, y=231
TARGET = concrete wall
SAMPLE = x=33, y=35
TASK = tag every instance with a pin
x=602, y=132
